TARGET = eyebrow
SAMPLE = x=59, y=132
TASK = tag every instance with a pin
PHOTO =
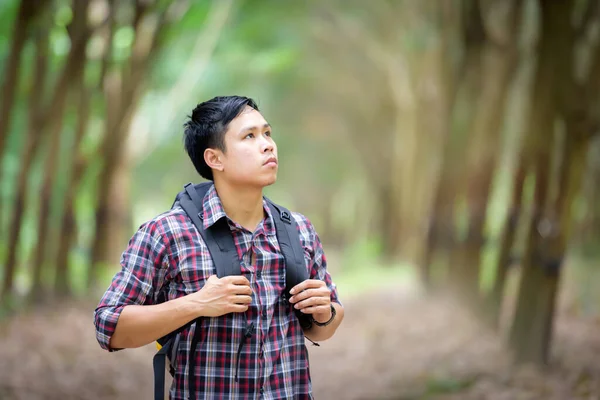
x=254, y=127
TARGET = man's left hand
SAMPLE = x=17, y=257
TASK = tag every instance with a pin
x=312, y=297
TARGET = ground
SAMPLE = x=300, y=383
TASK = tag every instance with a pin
x=394, y=344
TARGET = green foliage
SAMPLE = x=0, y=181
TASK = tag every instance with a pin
x=8, y=11
x=360, y=269
x=449, y=385
x=276, y=52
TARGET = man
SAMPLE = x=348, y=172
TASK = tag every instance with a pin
x=230, y=143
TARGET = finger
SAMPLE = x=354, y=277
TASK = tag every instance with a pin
x=237, y=280
x=238, y=308
x=240, y=289
x=320, y=292
x=309, y=283
x=312, y=302
x=315, y=309
x=242, y=299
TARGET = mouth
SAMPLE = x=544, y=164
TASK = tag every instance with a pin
x=271, y=162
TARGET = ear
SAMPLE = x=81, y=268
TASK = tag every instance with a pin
x=214, y=159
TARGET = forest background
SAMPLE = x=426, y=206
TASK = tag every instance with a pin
x=447, y=152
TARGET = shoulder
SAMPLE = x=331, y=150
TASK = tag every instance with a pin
x=303, y=222
x=304, y=225
x=309, y=239
x=164, y=227
x=306, y=229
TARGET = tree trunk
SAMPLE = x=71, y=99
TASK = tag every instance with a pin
x=489, y=69
x=591, y=92
x=507, y=238
x=440, y=231
x=80, y=162
x=498, y=68
x=588, y=230
x=434, y=202
x=555, y=242
x=31, y=147
x=62, y=287
x=526, y=333
x=26, y=12
x=122, y=96
x=529, y=338
x=390, y=224
x=70, y=73
x=120, y=218
x=468, y=84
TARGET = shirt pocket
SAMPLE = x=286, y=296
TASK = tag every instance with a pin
x=193, y=271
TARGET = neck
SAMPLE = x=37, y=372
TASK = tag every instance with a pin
x=243, y=205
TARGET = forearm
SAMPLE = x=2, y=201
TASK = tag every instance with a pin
x=321, y=333
x=140, y=325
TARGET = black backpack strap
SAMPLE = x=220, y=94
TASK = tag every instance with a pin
x=289, y=242
x=218, y=239
x=159, y=365
x=196, y=193
x=291, y=247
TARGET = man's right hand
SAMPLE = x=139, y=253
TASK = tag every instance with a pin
x=139, y=325
x=225, y=295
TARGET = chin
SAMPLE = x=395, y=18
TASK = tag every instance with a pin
x=269, y=181
x=257, y=181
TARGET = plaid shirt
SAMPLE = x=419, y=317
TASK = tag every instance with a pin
x=167, y=257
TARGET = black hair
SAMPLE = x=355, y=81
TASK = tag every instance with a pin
x=207, y=125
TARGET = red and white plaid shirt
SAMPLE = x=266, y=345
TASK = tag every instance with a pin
x=168, y=257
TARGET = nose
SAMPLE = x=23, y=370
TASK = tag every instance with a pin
x=267, y=145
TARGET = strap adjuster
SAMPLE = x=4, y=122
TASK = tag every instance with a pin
x=286, y=217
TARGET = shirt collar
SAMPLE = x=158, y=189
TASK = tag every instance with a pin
x=213, y=211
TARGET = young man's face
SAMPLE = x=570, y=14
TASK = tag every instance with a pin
x=250, y=158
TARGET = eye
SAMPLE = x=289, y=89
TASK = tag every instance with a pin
x=268, y=133
x=250, y=135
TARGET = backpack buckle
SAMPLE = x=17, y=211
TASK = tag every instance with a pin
x=286, y=217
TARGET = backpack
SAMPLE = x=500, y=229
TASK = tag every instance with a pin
x=220, y=244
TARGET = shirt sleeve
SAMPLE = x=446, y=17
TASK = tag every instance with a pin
x=318, y=260
x=134, y=283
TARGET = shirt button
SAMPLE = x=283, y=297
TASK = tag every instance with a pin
x=262, y=390
x=258, y=274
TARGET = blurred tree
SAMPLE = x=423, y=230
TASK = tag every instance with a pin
x=588, y=227
x=441, y=228
x=496, y=53
x=41, y=30
x=507, y=237
x=95, y=55
x=26, y=13
x=123, y=93
x=489, y=60
x=557, y=159
x=123, y=85
x=79, y=32
x=389, y=96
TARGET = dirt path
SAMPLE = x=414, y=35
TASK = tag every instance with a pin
x=391, y=346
